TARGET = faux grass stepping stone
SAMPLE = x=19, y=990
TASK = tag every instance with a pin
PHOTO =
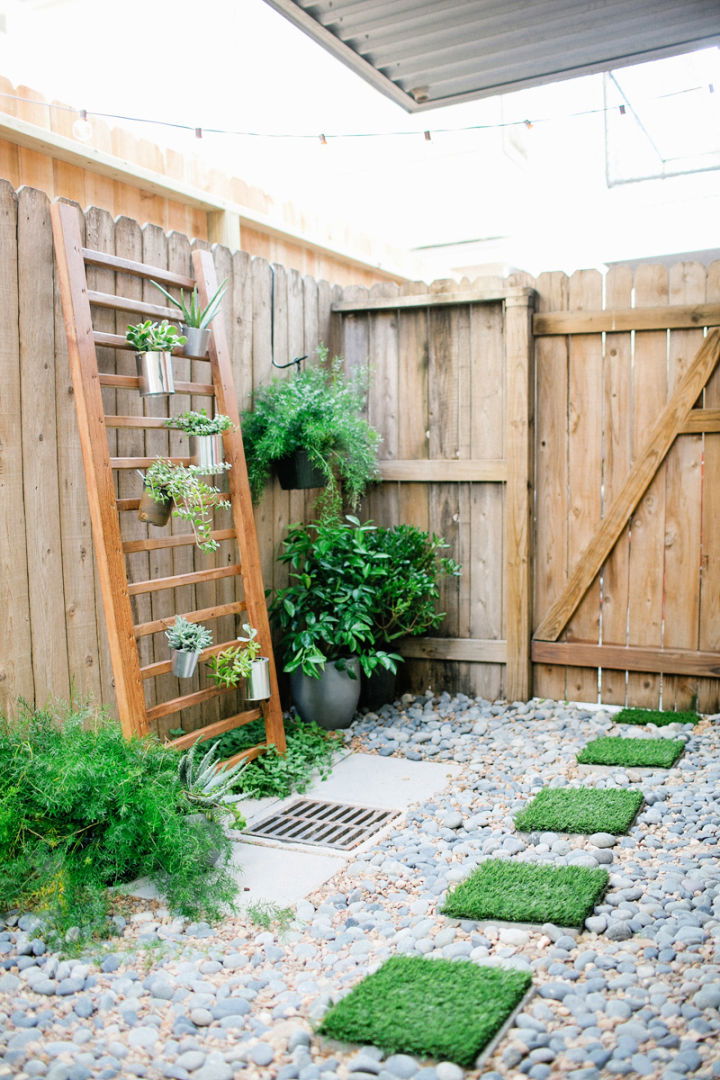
x=655, y=716
x=443, y=1009
x=580, y=810
x=632, y=753
x=523, y=892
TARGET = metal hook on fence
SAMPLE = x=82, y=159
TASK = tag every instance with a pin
x=298, y=360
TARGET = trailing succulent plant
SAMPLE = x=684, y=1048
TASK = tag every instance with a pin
x=154, y=337
x=186, y=636
x=192, y=313
x=199, y=423
x=194, y=499
x=235, y=662
x=207, y=786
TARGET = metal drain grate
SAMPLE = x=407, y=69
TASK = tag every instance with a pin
x=326, y=824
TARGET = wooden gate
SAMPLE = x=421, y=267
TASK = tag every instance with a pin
x=451, y=391
x=627, y=575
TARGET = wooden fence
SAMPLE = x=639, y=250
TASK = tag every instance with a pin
x=451, y=389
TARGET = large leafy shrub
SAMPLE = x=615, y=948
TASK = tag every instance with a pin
x=82, y=808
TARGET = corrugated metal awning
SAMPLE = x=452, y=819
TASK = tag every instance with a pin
x=428, y=53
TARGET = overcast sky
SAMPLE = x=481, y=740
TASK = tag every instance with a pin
x=541, y=192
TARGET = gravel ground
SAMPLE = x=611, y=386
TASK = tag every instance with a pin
x=636, y=994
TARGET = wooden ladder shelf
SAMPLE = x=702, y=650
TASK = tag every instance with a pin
x=125, y=634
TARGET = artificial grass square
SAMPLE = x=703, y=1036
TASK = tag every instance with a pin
x=650, y=753
x=580, y=810
x=655, y=716
x=523, y=892
x=444, y=1009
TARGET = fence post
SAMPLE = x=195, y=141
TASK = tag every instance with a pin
x=518, y=493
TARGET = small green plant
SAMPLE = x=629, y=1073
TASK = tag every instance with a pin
x=193, y=315
x=154, y=337
x=188, y=636
x=310, y=750
x=193, y=498
x=199, y=423
x=82, y=808
x=207, y=785
x=235, y=663
x=327, y=612
x=267, y=914
x=318, y=410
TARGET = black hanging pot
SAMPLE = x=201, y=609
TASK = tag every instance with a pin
x=297, y=471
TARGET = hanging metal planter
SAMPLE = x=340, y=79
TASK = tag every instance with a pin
x=197, y=340
x=184, y=663
x=297, y=472
x=207, y=452
x=155, y=372
x=257, y=684
x=154, y=511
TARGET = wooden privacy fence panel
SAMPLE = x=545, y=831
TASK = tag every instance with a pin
x=450, y=391
x=647, y=629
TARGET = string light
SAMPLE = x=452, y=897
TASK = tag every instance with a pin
x=82, y=129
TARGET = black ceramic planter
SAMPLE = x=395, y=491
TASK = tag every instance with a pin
x=298, y=472
x=378, y=689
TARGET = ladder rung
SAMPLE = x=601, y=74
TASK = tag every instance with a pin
x=248, y=755
x=150, y=671
x=125, y=303
x=179, y=703
x=131, y=382
x=179, y=540
x=145, y=462
x=176, y=580
x=129, y=266
x=135, y=421
x=216, y=612
x=230, y=722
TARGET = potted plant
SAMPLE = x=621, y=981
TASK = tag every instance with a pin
x=310, y=428
x=405, y=595
x=195, y=320
x=153, y=344
x=325, y=616
x=205, y=436
x=243, y=662
x=189, y=497
x=207, y=789
x=187, y=640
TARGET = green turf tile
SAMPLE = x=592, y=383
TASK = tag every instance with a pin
x=647, y=753
x=443, y=1009
x=580, y=810
x=656, y=717
x=523, y=892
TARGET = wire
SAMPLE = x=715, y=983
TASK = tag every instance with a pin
x=326, y=137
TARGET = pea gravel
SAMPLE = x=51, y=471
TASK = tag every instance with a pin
x=636, y=994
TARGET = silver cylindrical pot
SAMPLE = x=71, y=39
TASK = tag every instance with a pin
x=257, y=684
x=330, y=700
x=197, y=340
x=155, y=371
x=207, y=451
x=184, y=663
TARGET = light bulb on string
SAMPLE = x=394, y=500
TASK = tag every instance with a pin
x=82, y=128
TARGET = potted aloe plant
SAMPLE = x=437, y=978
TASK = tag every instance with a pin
x=243, y=662
x=205, y=436
x=196, y=319
x=153, y=343
x=310, y=429
x=180, y=488
x=187, y=640
x=207, y=787
x=325, y=616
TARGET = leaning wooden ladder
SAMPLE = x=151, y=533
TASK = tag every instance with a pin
x=105, y=507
